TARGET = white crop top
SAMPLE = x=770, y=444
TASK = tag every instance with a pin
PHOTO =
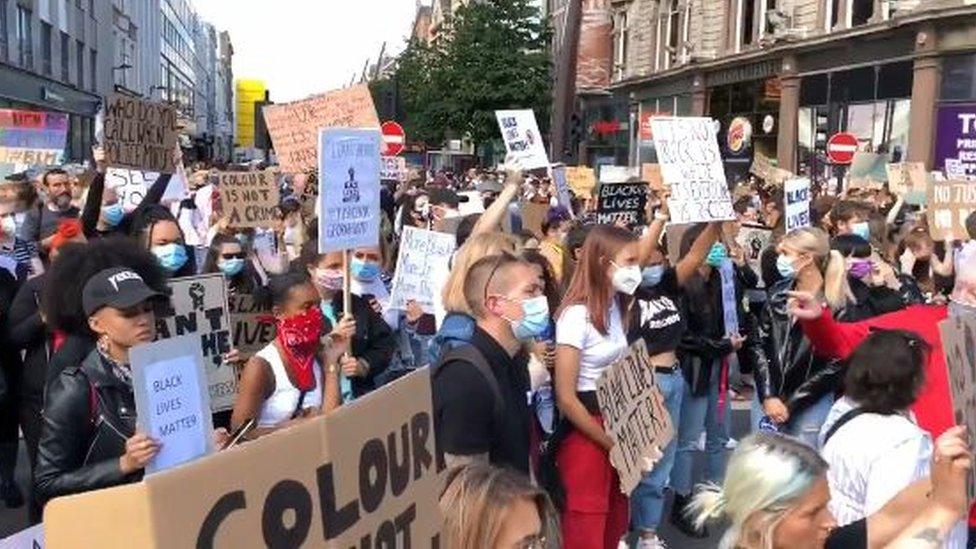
x=280, y=406
x=597, y=351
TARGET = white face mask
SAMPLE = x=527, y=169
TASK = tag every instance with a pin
x=626, y=279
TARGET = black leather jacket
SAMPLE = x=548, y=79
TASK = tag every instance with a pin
x=88, y=415
x=791, y=372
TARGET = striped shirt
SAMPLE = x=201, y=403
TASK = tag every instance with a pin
x=22, y=252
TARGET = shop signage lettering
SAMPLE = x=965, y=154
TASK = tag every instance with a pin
x=955, y=143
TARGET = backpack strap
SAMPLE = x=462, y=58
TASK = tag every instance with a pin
x=841, y=421
x=468, y=353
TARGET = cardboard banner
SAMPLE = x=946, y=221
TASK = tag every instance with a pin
x=958, y=334
x=349, y=189
x=622, y=202
x=38, y=136
x=393, y=168
x=308, y=197
x=249, y=199
x=617, y=174
x=533, y=214
x=796, y=195
x=692, y=166
x=199, y=306
x=294, y=127
x=424, y=258
x=580, y=180
x=651, y=174
x=522, y=138
x=140, y=134
x=172, y=400
x=754, y=240
x=250, y=334
x=949, y=203
x=130, y=185
x=366, y=475
x=634, y=415
x=763, y=168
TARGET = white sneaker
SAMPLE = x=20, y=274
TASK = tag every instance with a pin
x=651, y=543
x=623, y=544
x=731, y=444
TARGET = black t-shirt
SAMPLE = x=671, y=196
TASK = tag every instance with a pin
x=658, y=314
x=850, y=536
x=464, y=407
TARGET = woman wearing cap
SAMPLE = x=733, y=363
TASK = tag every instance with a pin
x=556, y=227
x=88, y=439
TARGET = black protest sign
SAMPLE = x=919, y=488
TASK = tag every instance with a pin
x=140, y=134
x=250, y=320
x=249, y=199
x=199, y=306
x=622, y=202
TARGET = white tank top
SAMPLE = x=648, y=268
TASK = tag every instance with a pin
x=279, y=407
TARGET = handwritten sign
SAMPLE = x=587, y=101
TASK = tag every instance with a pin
x=32, y=137
x=393, y=168
x=249, y=199
x=250, y=333
x=581, y=180
x=562, y=187
x=634, y=415
x=959, y=343
x=172, y=400
x=622, y=202
x=617, y=174
x=522, y=138
x=691, y=165
x=796, y=194
x=131, y=186
x=763, y=168
x=140, y=134
x=294, y=127
x=754, y=240
x=349, y=189
x=730, y=309
x=199, y=306
x=950, y=202
x=424, y=258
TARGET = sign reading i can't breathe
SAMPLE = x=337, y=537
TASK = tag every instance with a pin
x=349, y=189
x=687, y=151
x=249, y=199
x=140, y=134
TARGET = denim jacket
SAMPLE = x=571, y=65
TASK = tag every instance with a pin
x=457, y=329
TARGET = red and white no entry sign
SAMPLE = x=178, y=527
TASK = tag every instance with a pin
x=394, y=138
x=841, y=148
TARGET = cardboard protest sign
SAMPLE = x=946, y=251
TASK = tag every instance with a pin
x=199, y=306
x=294, y=127
x=763, y=168
x=424, y=258
x=617, y=174
x=249, y=199
x=366, y=475
x=959, y=344
x=562, y=186
x=533, y=214
x=580, y=180
x=522, y=138
x=903, y=176
x=172, y=400
x=393, y=168
x=624, y=202
x=691, y=165
x=140, y=134
x=634, y=415
x=651, y=174
x=32, y=137
x=349, y=189
x=250, y=334
x=308, y=195
x=29, y=538
x=796, y=195
x=949, y=203
x=868, y=170
x=753, y=241
x=130, y=185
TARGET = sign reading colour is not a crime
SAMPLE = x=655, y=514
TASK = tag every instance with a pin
x=349, y=189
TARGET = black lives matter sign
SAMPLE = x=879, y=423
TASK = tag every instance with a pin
x=140, y=134
x=622, y=202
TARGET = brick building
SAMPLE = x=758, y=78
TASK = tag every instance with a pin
x=789, y=73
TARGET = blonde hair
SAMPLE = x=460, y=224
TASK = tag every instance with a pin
x=830, y=263
x=766, y=475
x=475, y=501
x=477, y=247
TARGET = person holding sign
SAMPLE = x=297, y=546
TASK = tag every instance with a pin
x=295, y=376
x=88, y=439
x=104, y=214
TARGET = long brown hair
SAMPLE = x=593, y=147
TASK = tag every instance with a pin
x=590, y=285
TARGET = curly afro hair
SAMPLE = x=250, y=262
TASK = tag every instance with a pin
x=76, y=263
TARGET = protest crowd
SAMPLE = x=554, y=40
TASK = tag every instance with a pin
x=585, y=335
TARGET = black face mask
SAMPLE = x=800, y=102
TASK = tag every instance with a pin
x=487, y=202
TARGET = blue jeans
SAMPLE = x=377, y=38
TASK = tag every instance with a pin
x=700, y=413
x=805, y=425
x=647, y=499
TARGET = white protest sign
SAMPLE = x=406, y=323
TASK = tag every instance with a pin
x=199, y=306
x=29, y=538
x=522, y=138
x=617, y=174
x=172, y=400
x=691, y=164
x=424, y=258
x=634, y=415
x=130, y=185
x=563, y=194
x=393, y=168
x=796, y=194
x=349, y=189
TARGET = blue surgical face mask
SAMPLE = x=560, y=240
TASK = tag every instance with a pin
x=651, y=275
x=231, y=267
x=171, y=256
x=785, y=266
x=113, y=214
x=365, y=271
x=535, y=318
x=716, y=255
x=862, y=229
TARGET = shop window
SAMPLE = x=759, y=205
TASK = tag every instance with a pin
x=25, y=41
x=959, y=78
x=813, y=90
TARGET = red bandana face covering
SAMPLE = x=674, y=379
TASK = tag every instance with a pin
x=299, y=339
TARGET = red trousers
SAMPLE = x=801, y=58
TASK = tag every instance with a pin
x=597, y=513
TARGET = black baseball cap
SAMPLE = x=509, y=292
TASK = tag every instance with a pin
x=441, y=195
x=118, y=287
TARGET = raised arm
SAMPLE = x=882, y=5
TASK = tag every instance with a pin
x=491, y=219
x=688, y=264
x=649, y=243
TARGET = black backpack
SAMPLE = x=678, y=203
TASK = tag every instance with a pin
x=468, y=353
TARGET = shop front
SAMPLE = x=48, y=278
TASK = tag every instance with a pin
x=664, y=99
x=955, y=128
x=607, y=126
